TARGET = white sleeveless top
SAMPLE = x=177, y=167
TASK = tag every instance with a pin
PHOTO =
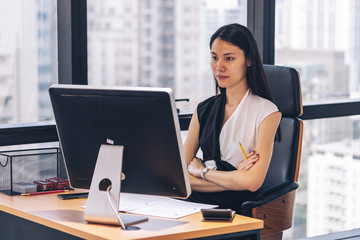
x=243, y=126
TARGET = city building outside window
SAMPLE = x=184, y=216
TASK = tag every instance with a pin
x=320, y=38
x=28, y=59
x=166, y=44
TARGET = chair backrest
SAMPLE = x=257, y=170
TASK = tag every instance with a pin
x=285, y=87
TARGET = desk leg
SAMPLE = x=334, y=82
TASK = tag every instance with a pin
x=14, y=228
x=247, y=235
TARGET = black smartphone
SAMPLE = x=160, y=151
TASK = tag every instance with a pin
x=218, y=214
x=72, y=195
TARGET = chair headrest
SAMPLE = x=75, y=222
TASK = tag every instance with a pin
x=285, y=88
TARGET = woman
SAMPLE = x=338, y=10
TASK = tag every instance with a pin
x=243, y=112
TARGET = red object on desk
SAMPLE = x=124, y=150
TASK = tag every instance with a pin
x=44, y=185
x=44, y=192
x=59, y=182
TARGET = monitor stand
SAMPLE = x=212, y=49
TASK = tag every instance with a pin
x=108, y=172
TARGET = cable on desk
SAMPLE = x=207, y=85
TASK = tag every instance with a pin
x=113, y=207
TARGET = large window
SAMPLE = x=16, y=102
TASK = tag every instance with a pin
x=159, y=43
x=28, y=59
x=320, y=38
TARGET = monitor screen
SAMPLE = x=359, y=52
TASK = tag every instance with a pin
x=143, y=120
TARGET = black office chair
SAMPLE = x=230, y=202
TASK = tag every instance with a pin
x=274, y=201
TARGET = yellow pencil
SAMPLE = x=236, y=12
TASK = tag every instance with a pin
x=242, y=149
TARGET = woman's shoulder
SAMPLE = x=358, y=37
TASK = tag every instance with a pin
x=209, y=102
x=210, y=107
x=263, y=102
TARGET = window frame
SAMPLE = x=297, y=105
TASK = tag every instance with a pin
x=72, y=42
x=72, y=52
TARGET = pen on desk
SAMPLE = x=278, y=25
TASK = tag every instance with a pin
x=44, y=192
x=242, y=149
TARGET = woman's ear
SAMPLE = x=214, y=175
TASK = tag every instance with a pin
x=248, y=62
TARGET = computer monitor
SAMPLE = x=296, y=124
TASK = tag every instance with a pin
x=143, y=120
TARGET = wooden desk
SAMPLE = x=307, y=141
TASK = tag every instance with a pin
x=47, y=216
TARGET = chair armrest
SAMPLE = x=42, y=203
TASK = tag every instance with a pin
x=267, y=195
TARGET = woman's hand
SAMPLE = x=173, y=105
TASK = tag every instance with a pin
x=195, y=167
x=250, y=162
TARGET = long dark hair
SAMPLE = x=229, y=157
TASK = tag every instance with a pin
x=241, y=37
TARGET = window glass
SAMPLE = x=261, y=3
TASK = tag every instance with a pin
x=328, y=197
x=157, y=43
x=321, y=39
x=28, y=59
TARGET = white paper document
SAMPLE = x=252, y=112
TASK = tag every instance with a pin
x=158, y=206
